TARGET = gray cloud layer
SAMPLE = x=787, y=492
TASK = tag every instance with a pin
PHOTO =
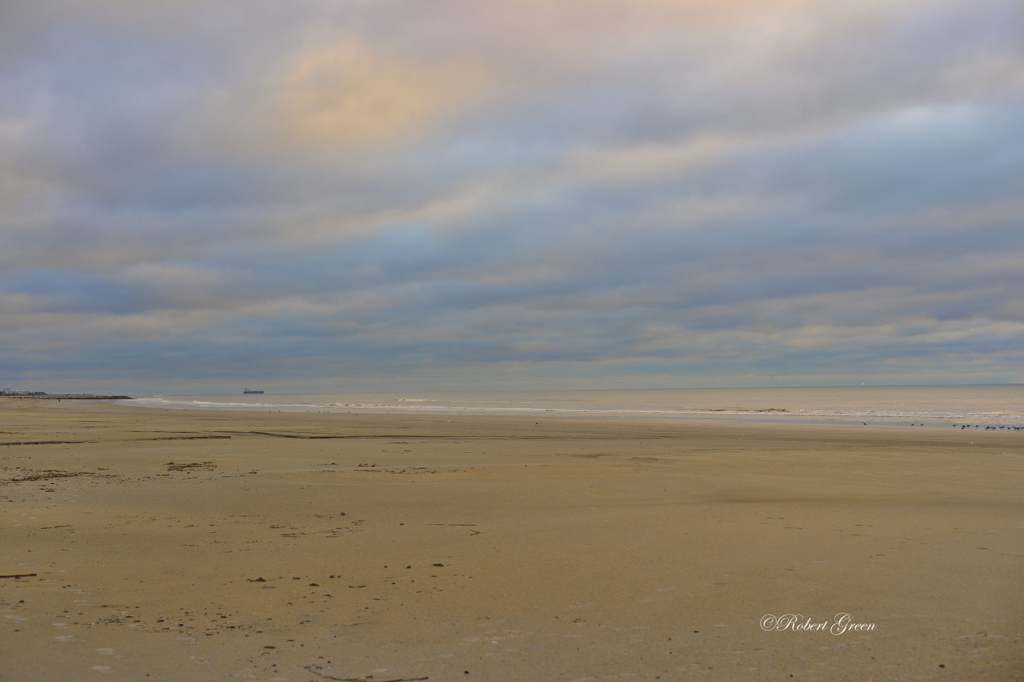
x=398, y=194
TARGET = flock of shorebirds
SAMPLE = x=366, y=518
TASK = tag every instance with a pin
x=975, y=426
x=987, y=428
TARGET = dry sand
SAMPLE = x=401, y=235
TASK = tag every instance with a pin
x=310, y=547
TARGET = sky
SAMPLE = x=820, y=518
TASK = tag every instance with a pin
x=198, y=196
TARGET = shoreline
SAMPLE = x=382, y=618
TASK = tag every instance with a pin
x=205, y=544
x=935, y=407
x=444, y=406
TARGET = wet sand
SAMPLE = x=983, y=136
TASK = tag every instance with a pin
x=173, y=545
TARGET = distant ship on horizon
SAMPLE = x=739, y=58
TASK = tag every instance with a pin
x=248, y=392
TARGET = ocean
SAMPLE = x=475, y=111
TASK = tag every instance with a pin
x=925, y=406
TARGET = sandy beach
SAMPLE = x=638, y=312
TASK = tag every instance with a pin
x=142, y=544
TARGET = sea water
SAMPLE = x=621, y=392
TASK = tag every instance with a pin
x=935, y=406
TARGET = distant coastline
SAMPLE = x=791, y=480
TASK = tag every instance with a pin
x=63, y=396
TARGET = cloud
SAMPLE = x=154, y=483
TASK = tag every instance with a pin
x=467, y=193
x=333, y=97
